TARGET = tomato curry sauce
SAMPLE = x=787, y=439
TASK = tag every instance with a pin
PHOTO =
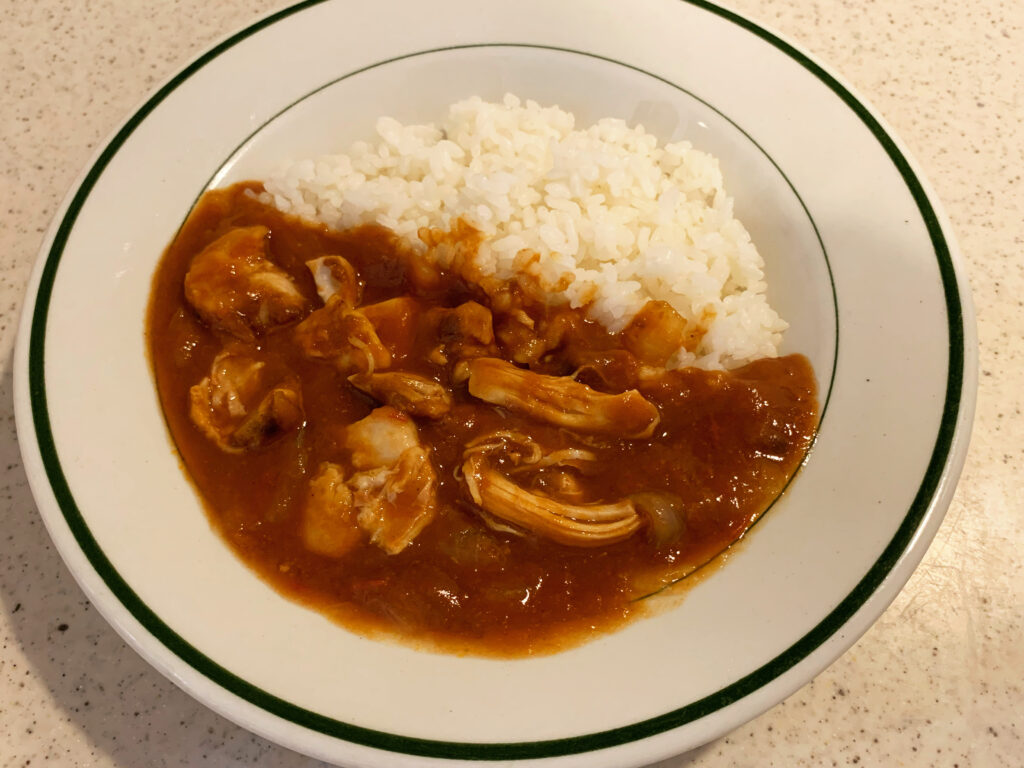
x=534, y=530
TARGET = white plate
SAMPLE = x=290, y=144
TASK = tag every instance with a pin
x=859, y=260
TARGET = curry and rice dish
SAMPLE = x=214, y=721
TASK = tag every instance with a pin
x=424, y=436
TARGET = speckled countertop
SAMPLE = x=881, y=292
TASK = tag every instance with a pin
x=938, y=681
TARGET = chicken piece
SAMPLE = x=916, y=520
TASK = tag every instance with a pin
x=526, y=340
x=503, y=502
x=560, y=484
x=558, y=400
x=234, y=287
x=588, y=525
x=522, y=452
x=656, y=333
x=391, y=500
x=558, y=473
x=517, y=449
x=343, y=336
x=468, y=322
x=334, y=276
x=235, y=408
x=396, y=494
x=396, y=502
x=328, y=519
x=464, y=331
x=381, y=438
x=416, y=395
x=278, y=411
x=395, y=322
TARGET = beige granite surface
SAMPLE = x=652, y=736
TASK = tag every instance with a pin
x=938, y=681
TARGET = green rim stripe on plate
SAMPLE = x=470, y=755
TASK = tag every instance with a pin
x=497, y=751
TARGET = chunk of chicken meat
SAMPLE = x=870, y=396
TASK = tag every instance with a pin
x=334, y=276
x=237, y=410
x=342, y=336
x=329, y=521
x=381, y=438
x=464, y=331
x=390, y=504
x=395, y=321
x=558, y=400
x=408, y=392
x=391, y=500
x=527, y=340
x=578, y=525
x=235, y=287
x=395, y=503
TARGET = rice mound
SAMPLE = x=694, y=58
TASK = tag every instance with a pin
x=626, y=219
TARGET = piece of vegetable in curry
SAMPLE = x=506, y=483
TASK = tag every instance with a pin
x=438, y=457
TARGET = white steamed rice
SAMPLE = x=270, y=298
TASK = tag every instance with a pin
x=628, y=219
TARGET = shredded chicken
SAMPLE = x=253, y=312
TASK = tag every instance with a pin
x=344, y=337
x=408, y=392
x=558, y=400
x=380, y=439
x=561, y=484
x=391, y=500
x=580, y=525
x=523, y=452
x=516, y=448
x=236, y=408
x=334, y=276
x=233, y=285
x=578, y=458
x=396, y=502
x=390, y=504
x=328, y=522
x=555, y=509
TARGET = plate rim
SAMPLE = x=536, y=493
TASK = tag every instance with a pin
x=944, y=464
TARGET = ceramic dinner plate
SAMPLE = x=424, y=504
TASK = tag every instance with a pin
x=859, y=260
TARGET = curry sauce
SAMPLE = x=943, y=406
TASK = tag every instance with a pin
x=722, y=447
